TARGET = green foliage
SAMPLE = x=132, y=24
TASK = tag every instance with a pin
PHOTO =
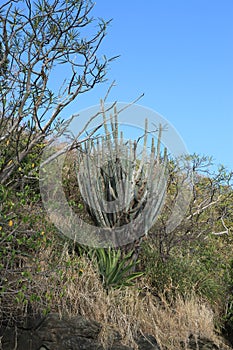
x=25, y=171
x=22, y=227
x=195, y=269
x=115, y=270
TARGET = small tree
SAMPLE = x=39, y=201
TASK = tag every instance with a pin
x=210, y=210
x=35, y=39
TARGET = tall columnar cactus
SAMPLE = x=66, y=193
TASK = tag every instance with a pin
x=119, y=183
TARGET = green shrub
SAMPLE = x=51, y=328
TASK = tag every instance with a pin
x=186, y=272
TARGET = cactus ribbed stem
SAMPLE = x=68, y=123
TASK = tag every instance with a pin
x=114, y=176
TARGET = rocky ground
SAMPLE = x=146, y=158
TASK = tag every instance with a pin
x=53, y=333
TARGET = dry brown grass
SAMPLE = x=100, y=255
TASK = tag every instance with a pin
x=70, y=285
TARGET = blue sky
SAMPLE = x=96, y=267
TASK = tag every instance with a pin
x=179, y=53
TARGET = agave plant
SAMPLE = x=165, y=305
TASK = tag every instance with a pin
x=115, y=269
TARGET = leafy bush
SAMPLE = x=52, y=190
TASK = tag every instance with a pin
x=23, y=235
x=187, y=271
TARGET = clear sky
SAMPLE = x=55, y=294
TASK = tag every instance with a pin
x=180, y=54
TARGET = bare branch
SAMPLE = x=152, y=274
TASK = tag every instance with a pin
x=35, y=39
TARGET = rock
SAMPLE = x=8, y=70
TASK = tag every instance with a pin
x=77, y=333
x=228, y=331
x=202, y=343
x=148, y=342
x=53, y=333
